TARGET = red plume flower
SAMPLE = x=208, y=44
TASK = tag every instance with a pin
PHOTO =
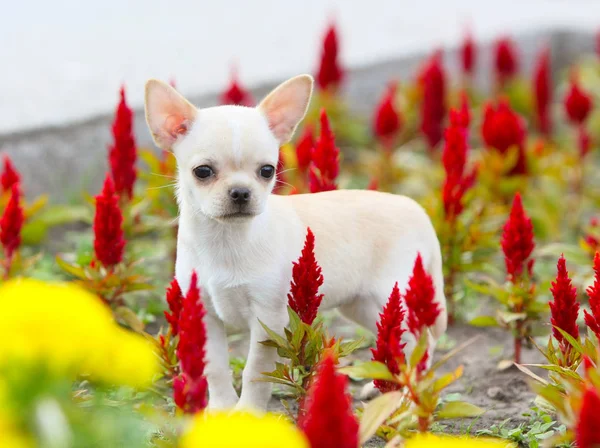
x=592, y=320
x=564, y=308
x=506, y=60
x=304, y=297
x=433, y=106
x=330, y=74
x=175, y=302
x=123, y=153
x=590, y=239
x=387, y=121
x=190, y=387
x=389, y=349
x=578, y=102
x=304, y=149
x=108, y=231
x=11, y=223
x=328, y=420
x=468, y=55
x=420, y=299
x=503, y=128
x=454, y=159
x=236, y=94
x=542, y=87
x=588, y=421
x=325, y=159
x=10, y=175
x=517, y=241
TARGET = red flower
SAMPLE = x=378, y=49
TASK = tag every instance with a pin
x=590, y=239
x=108, y=231
x=304, y=149
x=330, y=74
x=506, y=60
x=542, y=86
x=420, y=299
x=236, y=94
x=387, y=121
x=454, y=159
x=389, y=349
x=123, y=153
x=517, y=241
x=175, y=301
x=586, y=429
x=468, y=54
x=592, y=320
x=325, y=159
x=373, y=184
x=503, y=128
x=11, y=223
x=192, y=386
x=578, y=102
x=328, y=420
x=564, y=308
x=10, y=175
x=433, y=106
x=584, y=141
x=304, y=297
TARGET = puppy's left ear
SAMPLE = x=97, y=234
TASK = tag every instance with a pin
x=286, y=106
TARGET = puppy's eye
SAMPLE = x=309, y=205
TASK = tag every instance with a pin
x=267, y=171
x=203, y=172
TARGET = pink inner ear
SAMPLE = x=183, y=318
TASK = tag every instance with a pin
x=278, y=123
x=176, y=125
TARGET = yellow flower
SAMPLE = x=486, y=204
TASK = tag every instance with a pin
x=241, y=429
x=433, y=441
x=72, y=332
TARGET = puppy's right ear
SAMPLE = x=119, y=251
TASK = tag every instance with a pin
x=168, y=114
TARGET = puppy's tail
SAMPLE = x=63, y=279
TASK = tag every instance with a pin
x=436, y=271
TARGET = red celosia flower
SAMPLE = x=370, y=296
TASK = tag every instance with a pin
x=467, y=55
x=387, y=121
x=454, y=159
x=191, y=352
x=517, y=241
x=304, y=297
x=108, y=231
x=564, y=307
x=591, y=239
x=592, y=320
x=236, y=94
x=433, y=106
x=389, y=349
x=330, y=74
x=328, y=420
x=578, y=102
x=503, y=128
x=588, y=421
x=123, y=153
x=542, y=87
x=373, y=184
x=9, y=176
x=175, y=301
x=506, y=60
x=11, y=223
x=304, y=149
x=325, y=159
x=420, y=299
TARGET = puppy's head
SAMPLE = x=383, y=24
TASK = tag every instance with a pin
x=226, y=155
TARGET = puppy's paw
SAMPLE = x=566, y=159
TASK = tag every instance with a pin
x=369, y=391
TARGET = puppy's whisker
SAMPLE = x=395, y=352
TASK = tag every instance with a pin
x=164, y=175
x=289, y=169
x=284, y=183
x=162, y=186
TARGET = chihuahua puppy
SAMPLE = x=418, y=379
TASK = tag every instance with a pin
x=241, y=239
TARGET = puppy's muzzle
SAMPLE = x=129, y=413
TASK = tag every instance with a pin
x=239, y=196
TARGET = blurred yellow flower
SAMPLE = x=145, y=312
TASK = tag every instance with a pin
x=434, y=441
x=242, y=429
x=72, y=332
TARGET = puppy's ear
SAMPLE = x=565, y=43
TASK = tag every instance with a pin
x=286, y=106
x=168, y=114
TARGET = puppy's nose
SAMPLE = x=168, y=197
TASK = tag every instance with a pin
x=240, y=196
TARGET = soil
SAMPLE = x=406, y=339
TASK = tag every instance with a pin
x=503, y=394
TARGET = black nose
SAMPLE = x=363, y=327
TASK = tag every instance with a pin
x=240, y=195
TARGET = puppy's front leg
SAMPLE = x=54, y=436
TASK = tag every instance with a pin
x=222, y=394
x=256, y=395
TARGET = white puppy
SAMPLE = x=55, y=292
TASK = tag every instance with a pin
x=242, y=240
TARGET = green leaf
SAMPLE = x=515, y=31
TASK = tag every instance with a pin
x=374, y=370
x=60, y=214
x=508, y=317
x=376, y=412
x=280, y=341
x=484, y=321
x=130, y=318
x=447, y=379
x=420, y=349
x=346, y=348
x=459, y=409
x=74, y=270
x=574, y=342
x=528, y=372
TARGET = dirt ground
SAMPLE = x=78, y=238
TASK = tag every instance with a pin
x=503, y=394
